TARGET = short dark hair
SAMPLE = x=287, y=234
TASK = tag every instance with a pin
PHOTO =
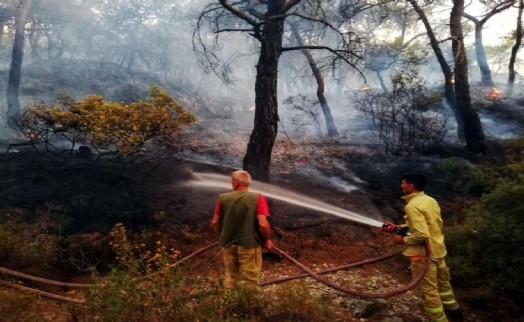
x=416, y=179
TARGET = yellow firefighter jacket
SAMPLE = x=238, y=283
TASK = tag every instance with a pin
x=422, y=214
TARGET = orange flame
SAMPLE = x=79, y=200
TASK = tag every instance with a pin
x=365, y=87
x=493, y=94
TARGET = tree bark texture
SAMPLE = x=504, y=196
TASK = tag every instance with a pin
x=514, y=51
x=473, y=132
x=449, y=91
x=258, y=155
x=13, y=83
x=326, y=110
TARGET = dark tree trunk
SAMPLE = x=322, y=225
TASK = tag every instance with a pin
x=258, y=156
x=446, y=70
x=514, y=50
x=472, y=127
x=13, y=83
x=326, y=110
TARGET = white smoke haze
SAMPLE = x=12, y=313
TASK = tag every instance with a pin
x=330, y=181
x=106, y=34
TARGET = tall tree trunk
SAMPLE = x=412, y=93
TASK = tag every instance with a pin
x=1, y=32
x=382, y=83
x=514, y=50
x=449, y=92
x=13, y=83
x=326, y=110
x=258, y=156
x=482, y=60
x=472, y=127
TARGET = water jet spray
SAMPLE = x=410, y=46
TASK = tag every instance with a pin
x=212, y=180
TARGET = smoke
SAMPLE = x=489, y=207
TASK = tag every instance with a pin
x=109, y=36
x=217, y=181
x=331, y=181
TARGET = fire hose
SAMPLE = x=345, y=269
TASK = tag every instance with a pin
x=6, y=271
x=362, y=294
x=308, y=273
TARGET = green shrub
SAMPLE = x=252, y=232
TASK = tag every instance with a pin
x=19, y=250
x=109, y=127
x=146, y=287
x=498, y=220
x=461, y=241
x=514, y=150
x=464, y=177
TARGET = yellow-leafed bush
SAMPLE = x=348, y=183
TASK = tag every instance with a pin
x=110, y=126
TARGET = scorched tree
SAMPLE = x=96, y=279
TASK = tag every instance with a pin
x=264, y=20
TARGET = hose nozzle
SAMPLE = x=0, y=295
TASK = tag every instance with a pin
x=394, y=229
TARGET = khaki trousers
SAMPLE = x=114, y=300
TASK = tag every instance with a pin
x=242, y=266
x=436, y=287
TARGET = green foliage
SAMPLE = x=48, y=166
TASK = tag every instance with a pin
x=461, y=241
x=110, y=127
x=142, y=287
x=498, y=220
x=464, y=177
x=146, y=285
x=19, y=250
x=514, y=150
x=487, y=246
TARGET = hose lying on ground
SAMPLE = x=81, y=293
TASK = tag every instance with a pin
x=315, y=275
x=39, y=292
x=326, y=282
x=362, y=294
x=42, y=280
x=6, y=271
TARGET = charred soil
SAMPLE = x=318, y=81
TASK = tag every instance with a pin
x=75, y=202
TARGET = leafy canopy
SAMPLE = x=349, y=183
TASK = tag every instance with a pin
x=110, y=126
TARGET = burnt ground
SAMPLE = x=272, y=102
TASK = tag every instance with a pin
x=80, y=200
x=75, y=203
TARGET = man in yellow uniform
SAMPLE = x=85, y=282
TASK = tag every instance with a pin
x=422, y=214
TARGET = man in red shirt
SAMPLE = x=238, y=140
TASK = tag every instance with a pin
x=241, y=218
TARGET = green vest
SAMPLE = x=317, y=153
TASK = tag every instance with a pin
x=238, y=219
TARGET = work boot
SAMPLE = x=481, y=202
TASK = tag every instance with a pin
x=454, y=315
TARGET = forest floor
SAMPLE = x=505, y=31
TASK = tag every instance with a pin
x=41, y=193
